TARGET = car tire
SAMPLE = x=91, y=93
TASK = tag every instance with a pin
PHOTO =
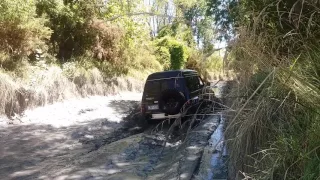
x=171, y=101
x=147, y=119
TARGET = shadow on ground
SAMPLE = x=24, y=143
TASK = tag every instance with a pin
x=99, y=149
x=43, y=152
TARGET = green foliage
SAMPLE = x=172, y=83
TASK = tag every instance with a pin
x=166, y=31
x=278, y=40
x=214, y=63
x=226, y=15
x=173, y=44
x=79, y=32
x=186, y=3
x=201, y=23
x=195, y=62
x=70, y=22
x=163, y=56
x=107, y=41
x=177, y=55
x=21, y=31
x=113, y=36
x=177, y=50
x=205, y=65
x=99, y=30
x=179, y=31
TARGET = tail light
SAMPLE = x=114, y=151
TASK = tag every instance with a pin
x=143, y=108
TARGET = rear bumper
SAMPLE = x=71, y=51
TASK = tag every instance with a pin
x=160, y=116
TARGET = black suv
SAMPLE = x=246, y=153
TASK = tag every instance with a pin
x=166, y=92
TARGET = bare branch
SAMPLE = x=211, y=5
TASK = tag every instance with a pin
x=218, y=49
x=140, y=14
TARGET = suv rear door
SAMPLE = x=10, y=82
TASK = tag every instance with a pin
x=154, y=88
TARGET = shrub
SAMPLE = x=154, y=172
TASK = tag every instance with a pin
x=178, y=51
x=163, y=56
x=214, y=63
x=177, y=55
x=21, y=31
x=205, y=65
x=76, y=29
x=165, y=31
x=145, y=60
x=107, y=41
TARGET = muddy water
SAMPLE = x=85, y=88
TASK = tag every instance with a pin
x=214, y=159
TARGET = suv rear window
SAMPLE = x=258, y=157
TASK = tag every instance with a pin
x=156, y=86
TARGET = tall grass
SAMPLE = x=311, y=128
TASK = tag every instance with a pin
x=7, y=93
x=274, y=133
x=210, y=67
x=41, y=84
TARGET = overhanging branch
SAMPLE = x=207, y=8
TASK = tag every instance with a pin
x=218, y=49
x=141, y=14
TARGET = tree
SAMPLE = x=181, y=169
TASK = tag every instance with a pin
x=21, y=31
x=70, y=21
x=226, y=16
x=178, y=52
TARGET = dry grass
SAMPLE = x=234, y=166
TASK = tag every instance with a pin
x=7, y=93
x=44, y=84
x=227, y=75
x=273, y=134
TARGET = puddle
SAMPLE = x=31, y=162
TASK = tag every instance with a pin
x=218, y=158
x=213, y=164
x=217, y=87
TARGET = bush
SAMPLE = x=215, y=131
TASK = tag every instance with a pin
x=178, y=52
x=163, y=56
x=145, y=60
x=177, y=55
x=107, y=41
x=214, y=63
x=205, y=65
x=76, y=30
x=21, y=31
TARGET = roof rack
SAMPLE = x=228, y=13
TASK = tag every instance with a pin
x=172, y=74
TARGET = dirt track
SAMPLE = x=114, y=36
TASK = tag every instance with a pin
x=97, y=138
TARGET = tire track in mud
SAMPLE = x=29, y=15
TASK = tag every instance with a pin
x=131, y=149
x=133, y=124
x=149, y=155
x=147, y=147
x=137, y=150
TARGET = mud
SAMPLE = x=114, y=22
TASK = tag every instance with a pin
x=99, y=138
